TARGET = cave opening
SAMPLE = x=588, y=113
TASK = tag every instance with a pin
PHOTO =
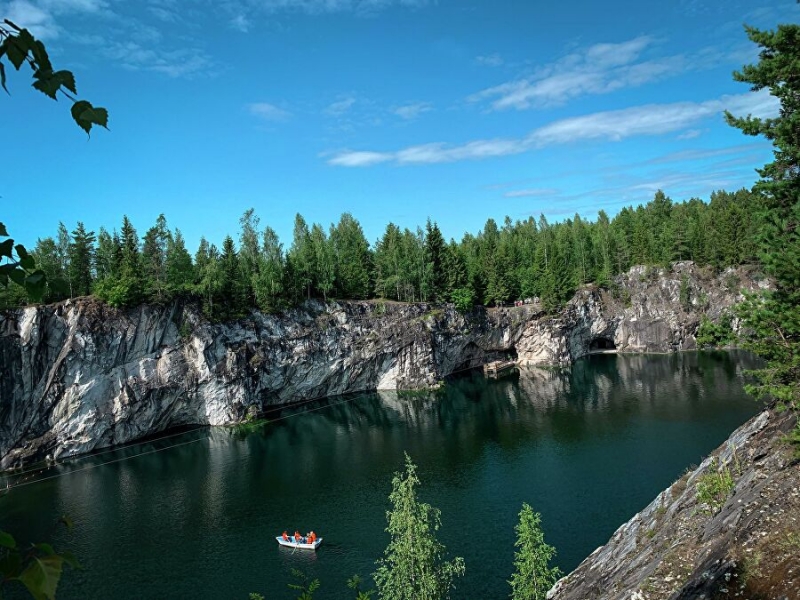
x=602, y=343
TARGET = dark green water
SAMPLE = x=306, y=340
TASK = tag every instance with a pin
x=587, y=447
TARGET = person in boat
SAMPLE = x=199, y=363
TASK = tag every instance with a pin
x=312, y=537
x=297, y=537
x=285, y=536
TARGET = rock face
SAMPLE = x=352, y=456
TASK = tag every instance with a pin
x=80, y=375
x=646, y=310
x=692, y=544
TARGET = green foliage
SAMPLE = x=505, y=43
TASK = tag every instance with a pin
x=684, y=294
x=522, y=259
x=19, y=47
x=303, y=586
x=533, y=576
x=121, y=292
x=714, y=487
x=463, y=298
x=37, y=567
x=715, y=335
x=413, y=567
x=18, y=267
x=354, y=583
x=772, y=319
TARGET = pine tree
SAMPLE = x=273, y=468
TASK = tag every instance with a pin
x=104, y=255
x=178, y=265
x=208, y=276
x=154, y=258
x=48, y=259
x=352, y=257
x=301, y=257
x=413, y=567
x=62, y=252
x=249, y=253
x=774, y=317
x=324, y=265
x=269, y=284
x=81, y=260
x=533, y=577
x=129, y=244
x=230, y=300
x=434, y=281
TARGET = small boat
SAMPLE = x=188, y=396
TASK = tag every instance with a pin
x=290, y=543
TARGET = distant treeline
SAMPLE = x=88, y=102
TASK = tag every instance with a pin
x=530, y=258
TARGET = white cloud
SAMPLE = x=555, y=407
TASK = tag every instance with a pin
x=359, y=159
x=38, y=21
x=489, y=60
x=38, y=16
x=599, y=69
x=652, y=119
x=241, y=23
x=690, y=134
x=316, y=7
x=535, y=192
x=268, y=112
x=185, y=62
x=410, y=112
x=340, y=107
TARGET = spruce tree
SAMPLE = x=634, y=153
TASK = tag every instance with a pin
x=178, y=265
x=81, y=260
x=434, y=262
x=774, y=317
x=352, y=257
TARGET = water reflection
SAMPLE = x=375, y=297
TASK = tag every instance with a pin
x=587, y=446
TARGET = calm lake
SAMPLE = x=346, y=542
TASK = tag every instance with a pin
x=588, y=447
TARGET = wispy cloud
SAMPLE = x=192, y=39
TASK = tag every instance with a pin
x=241, y=23
x=698, y=154
x=38, y=21
x=599, y=69
x=340, y=107
x=268, y=112
x=690, y=134
x=359, y=159
x=183, y=62
x=410, y=112
x=39, y=16
x=529, y=193
x=321, y=7
x=652, y=119
x=489, y=60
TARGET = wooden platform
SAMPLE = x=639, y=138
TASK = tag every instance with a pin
x=496, y=367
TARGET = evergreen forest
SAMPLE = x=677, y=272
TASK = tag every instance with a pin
x=529, y=258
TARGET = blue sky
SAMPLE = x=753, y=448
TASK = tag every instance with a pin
x=394, y=110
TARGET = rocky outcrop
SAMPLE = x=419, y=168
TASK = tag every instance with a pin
x=728, y=529
x=645, y=310
x=80, y=375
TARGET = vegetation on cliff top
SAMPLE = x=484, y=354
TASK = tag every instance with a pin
x=530, y=258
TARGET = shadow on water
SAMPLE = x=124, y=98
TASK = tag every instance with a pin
x=587, y=446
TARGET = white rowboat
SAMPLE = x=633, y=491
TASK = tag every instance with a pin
x=292, y=544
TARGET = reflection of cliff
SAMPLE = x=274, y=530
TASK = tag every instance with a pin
x=80, y=375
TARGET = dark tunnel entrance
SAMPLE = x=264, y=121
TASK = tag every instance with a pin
x=601, y=343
